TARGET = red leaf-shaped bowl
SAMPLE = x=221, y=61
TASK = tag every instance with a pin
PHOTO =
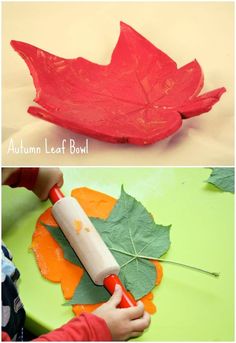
x=140, y=97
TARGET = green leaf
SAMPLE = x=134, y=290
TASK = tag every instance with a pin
x=222, y=178
x=140, y=272
x=88, y=293
x=133, y=237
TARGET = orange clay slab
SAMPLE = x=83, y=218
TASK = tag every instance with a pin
x=49, y=255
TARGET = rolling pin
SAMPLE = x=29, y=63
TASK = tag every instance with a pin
x=87, y=244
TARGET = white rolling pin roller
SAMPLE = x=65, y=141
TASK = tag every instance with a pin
x=84, y=239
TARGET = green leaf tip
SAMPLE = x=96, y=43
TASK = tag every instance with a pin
x=222, y=178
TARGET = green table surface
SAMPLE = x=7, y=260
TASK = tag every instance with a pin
x=191, y=306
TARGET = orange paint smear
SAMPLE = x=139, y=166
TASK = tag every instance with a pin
x=94, y=203
x=78, y=225
x=49, y=255
x=50, y=259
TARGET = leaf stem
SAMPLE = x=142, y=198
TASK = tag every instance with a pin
x=185, y=265
x=162, y=260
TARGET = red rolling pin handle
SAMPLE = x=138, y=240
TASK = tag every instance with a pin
x=110, y=281
x=55, y=194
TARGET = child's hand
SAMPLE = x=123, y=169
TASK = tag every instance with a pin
x=123, y=323
x=47, y=178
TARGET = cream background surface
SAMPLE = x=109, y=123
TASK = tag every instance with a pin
x=184, y=31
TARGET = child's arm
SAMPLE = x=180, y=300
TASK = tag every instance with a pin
x=85, y=327
x=105, y=324
x=38, y=180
